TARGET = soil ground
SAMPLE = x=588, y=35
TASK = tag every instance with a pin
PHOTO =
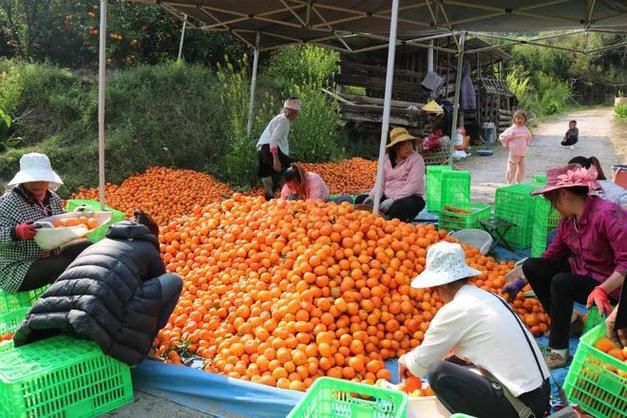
x=600, y=134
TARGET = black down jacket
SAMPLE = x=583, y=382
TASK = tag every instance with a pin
x=115, y=293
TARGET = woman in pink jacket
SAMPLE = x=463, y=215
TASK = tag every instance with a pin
x=300, y=184
x=403, y=179
x=517, y=138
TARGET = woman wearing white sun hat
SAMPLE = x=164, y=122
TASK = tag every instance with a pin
x=31, y=197
x=507, y=376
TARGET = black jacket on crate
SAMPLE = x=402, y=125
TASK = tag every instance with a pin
x=116, y=293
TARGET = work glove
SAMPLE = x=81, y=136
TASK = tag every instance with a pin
x=386, y=205
x=293, y=196
x=25, y=231
x=514, y=287
x=369, y=201
x=600, y=298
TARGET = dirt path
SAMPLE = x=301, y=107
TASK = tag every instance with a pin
x=599, y=134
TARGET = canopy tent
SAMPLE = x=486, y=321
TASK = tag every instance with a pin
x=268, y=24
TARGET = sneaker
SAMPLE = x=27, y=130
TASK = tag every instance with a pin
x=554, y=360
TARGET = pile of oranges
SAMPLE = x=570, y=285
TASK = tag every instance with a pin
x=281, y=293
x=353, y=176
x=90, y=223
x=164, y=193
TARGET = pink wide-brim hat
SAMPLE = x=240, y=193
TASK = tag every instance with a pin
x=572, y=175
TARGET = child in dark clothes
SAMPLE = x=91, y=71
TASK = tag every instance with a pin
x=571, y=137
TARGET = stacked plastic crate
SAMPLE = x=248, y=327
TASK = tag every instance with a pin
x=545, y=220
x=515, y=205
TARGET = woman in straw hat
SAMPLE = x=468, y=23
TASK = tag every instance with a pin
x=273, y=147
x=403, y=179
x=587, y=260
x=30, y=197
x=479, y=358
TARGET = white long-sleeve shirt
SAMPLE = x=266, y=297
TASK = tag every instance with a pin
x=475, y=326
x=276, y=134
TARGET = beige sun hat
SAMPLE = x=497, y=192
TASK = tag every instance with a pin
x=36, y=167
x=398, y=135
x=446, y=263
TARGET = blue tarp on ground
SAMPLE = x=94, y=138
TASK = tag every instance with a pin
x=211, y=393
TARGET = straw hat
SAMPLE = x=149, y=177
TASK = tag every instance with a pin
x=572, y=175
x=432, y=107
x=398, y=135
x=36, y=167
x=446, y=263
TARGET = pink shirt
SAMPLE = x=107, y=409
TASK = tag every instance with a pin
x=316, y=188
x=517, y=139
x=406, y=179
x=595, y=245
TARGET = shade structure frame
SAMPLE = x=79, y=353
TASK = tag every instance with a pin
x=308, y=21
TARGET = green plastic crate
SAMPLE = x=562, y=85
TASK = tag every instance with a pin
x=61, y=377
x=434, y=186
x=540, y=178
x=456, y=189
x=100, y=232
x=453, y=221
x=515, y=204
x=545, y=220
x=10, y=302
x=8, y=324
x=330, y=398
x=590, y=385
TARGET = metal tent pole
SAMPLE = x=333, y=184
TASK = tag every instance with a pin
x=387, y=101
x=102, y=65
x=182, y=37
x=458, y=82
x=253, y=86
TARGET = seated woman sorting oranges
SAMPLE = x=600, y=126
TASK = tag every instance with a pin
x=497, y=368
x=587, y=260
x=300, y=184
x=403, y=179
x=23, y=265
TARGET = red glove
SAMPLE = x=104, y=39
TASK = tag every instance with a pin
x=25, y=231
x=600, y=298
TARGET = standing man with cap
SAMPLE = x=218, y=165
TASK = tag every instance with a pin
x=273, y=147
x=507, y=377
x=31, y=197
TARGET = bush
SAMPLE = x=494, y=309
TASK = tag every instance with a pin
x=172, y=114
x=540, y=95
x=620, y=111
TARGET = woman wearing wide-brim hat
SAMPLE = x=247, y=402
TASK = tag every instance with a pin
x=479, y=358
x=586, y=262
x=31, y=197
x=403, y=179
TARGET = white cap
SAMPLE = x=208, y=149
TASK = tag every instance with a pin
x=36, y=167
x=293, y=104
x=446, y=263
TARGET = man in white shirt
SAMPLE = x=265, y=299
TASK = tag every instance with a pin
x=273, y=147
x=479, y=328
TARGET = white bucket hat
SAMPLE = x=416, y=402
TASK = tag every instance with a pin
x=446, y=263
x=36, y=167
